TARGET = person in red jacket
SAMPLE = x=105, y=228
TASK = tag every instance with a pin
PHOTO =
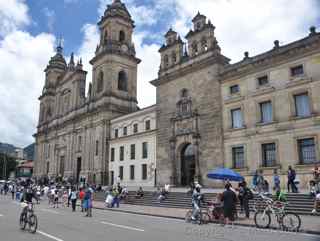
x=81, y=197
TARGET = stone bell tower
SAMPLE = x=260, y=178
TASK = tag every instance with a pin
x=115, y=63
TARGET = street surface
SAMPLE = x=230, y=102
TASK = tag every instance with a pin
x=63, y=225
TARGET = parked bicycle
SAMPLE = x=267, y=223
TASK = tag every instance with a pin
x=287, y=221
x=27, y=216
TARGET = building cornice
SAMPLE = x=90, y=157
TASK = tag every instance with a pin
x=215, y=58
x=278, y=55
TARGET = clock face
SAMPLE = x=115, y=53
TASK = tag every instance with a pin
x=124, y=48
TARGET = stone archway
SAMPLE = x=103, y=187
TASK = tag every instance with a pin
x=188, y=164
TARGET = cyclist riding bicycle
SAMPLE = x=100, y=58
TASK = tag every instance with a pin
x=196, y=201
x=27, y=197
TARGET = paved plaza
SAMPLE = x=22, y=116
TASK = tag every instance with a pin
x=63, y=225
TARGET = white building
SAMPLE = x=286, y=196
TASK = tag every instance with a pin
x=132, y=152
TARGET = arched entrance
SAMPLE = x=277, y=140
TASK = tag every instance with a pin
x=188, y=165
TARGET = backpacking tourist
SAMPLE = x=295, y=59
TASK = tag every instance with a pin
x=276, y=181
x=229, y=200
x=291, y=180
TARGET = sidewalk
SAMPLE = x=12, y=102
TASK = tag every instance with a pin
x=309, y=224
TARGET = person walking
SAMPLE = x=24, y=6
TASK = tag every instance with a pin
x=291, y=179
x=276, y=181
x=13, y=190
x=81, y=197
x=115, y=195
x=247, y=195
x=260, y=181
x=229, y=199
x=73, y=198
x=88, y=202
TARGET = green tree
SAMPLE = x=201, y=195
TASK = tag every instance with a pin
x=8, y=162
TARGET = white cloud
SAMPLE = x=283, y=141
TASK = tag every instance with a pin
x=23, y=58
x=13, y=14
x=147, y=69
x=51, y=18
x=88, y=47
x=249, y=25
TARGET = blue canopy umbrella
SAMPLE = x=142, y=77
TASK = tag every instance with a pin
x=225, y=174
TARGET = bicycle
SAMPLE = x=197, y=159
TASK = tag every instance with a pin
x=288, y=221
x=28, y=217
x=201, y=218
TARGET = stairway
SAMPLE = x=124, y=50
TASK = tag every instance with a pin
x=299, y=203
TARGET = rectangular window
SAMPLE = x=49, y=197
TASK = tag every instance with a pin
x=307, y=151
x=269, y=154
x=79, y=143
x=48, y=154
x=48, y=167
x=266, y=112
x=147, y=125
x=236, y=116
x=135, y=128
x=131, y=172
x=145, y=150
x=302, y=105
x=112, y=155
x=121, y=153
x=116, y=133
x=238, y=157
x=125, y=131
x=112, y=177
x=234, y=89
x=263, y=80
x=132, y=151
x=121, y=172
x=144, y=172
x=297, y=70
x=97, y=148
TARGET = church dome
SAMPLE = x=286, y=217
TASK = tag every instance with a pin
x=118, y=9
x=58, y=61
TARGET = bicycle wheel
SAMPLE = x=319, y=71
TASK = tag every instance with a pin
x=188, y=216
x=22, y=221
x=205, y=218
x=262, y=219
x=33, y=223
x=291, y=222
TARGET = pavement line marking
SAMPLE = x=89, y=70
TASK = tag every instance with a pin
x=49, y=211
x=123, y=226
x=1, y=215
x=49, y=236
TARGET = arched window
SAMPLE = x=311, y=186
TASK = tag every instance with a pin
x=100, y=82
x=174, y=57
x=122, y=36
x=166, y=61
x=204, y=44
x=122, y=81
x=105, y=38
x=184, y=93
x=195, y=48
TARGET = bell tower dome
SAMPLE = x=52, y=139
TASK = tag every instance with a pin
x=115, y=63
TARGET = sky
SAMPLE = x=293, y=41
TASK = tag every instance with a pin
x=29, y=30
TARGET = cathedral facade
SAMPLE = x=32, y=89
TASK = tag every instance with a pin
x=262, y=113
